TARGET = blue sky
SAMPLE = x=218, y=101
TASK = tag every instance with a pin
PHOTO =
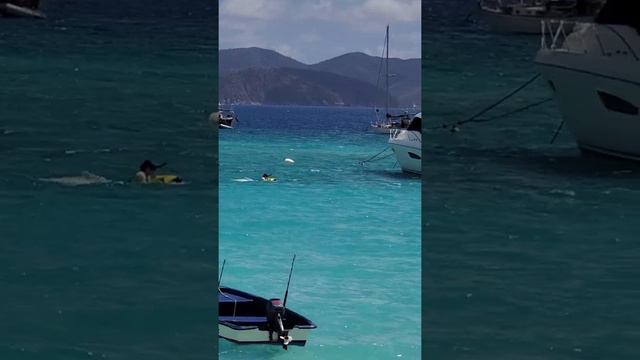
x=315, y=30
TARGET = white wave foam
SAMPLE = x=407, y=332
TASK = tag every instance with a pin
x=86, y=178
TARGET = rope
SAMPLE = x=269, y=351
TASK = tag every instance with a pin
x=373, y=158
x=513, y=112
x=553, y=139
x=454, y=126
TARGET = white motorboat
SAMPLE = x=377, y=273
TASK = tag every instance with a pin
x=407, y=145
x=524, y=17
x=21, y=8
x=595, y=75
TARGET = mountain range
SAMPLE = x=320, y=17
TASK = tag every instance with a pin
x=261, y=76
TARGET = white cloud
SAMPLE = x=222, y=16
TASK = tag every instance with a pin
x=310, y=37
x=390, y=10
x=315, y=30
x=365, y=15
x=253, y=9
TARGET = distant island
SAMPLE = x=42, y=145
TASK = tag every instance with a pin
x=261, y=76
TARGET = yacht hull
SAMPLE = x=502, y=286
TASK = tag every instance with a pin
x=599, y=97
x=407, y=146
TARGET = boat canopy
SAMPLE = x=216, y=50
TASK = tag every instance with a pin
x=620, y=12
x=416, y=123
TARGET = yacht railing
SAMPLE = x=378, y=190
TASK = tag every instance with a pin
x=411, y=135
x=554, y=38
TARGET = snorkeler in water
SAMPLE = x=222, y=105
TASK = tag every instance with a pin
x=146, y=171
x=268, y=178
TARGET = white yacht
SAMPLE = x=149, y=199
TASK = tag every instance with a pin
x=595, y=75
x=524, y=17
x=407, y=145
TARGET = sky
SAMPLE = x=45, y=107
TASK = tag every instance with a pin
x=314, y=30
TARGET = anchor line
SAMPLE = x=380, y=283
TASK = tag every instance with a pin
x=555, y=135
x=513, y=112
x=476, y=117
x=375, y=157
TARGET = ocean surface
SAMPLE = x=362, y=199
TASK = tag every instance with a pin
x=354, y=228
x=530, y=248
x=93, y=266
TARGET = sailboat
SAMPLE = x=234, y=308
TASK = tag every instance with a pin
x=21, y=8
x=389, y=122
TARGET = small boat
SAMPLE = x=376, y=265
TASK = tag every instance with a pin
x=226, y=118
x=407, y=146
x=524, y=17
x=21, y=8
x=388, y=122
x=244, y=318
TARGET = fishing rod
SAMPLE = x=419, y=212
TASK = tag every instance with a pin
x=286, y=293
x=221, y=272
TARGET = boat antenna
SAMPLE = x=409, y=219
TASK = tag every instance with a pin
x=286, y=293
x=221, y=272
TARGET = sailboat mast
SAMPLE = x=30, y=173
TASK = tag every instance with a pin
x=387, y=77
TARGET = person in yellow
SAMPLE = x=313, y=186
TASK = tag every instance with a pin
x=147, y=170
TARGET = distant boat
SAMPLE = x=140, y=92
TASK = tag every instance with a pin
x=227, y=118
x=524, y=17
x=389, y=122
x=21, y=8
x=407, y=145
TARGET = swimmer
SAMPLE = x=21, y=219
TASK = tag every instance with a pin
x=147, y=169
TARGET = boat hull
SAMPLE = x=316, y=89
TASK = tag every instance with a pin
x=381, y=130
x=11, y=10
x=598, y=97
x=527, y=25
x=407, y=146
x=257, y=336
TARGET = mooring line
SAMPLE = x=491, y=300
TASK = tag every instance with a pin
x=455, y=125
x=373, y=158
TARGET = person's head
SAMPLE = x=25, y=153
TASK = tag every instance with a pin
x=265, y=175
x=148, y=167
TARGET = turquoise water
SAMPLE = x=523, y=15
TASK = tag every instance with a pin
x=355, y=230
x=108, y=270
x=530, y=248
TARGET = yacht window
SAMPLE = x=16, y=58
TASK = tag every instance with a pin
x=614, y=103
x=414, y=156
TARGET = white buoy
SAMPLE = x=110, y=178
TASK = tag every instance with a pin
x=289, y=161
